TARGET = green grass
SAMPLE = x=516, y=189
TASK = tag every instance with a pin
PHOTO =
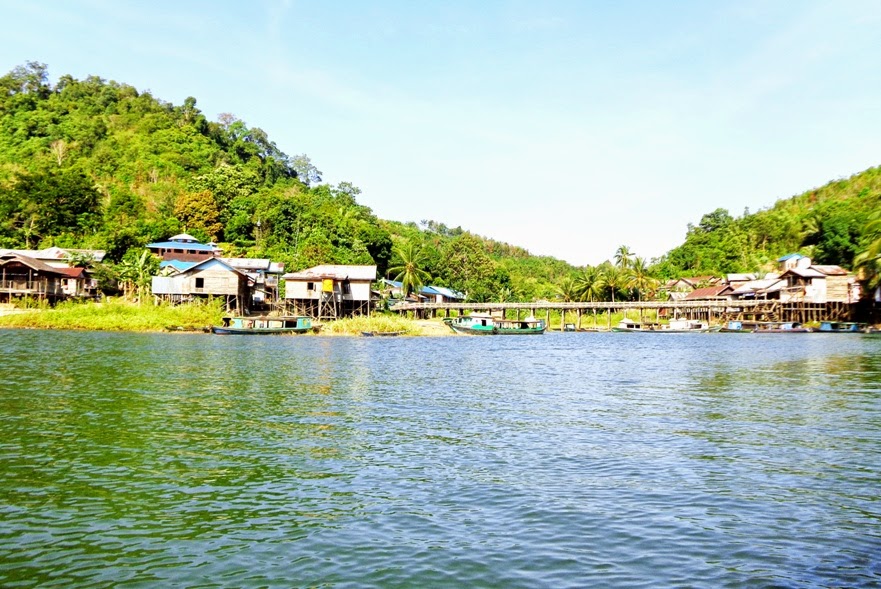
x=117, y=315
x=380, y=323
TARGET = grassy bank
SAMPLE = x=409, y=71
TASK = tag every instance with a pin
x=116, y=315
x=384, y=324
x=119, y=315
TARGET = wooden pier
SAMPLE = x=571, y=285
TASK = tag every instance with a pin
x=711, y=311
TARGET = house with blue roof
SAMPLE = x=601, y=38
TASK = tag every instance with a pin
x=185, y=248
x=427, y=294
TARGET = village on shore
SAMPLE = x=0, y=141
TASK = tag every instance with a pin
x=191, y=271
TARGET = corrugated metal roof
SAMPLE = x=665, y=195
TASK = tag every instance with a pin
x=71, y=272
x=740, y=277
x=790, y=257
x=55, y=253
x=805, y=272
x=30, y=262
x=183, y=237
x=199, y=247
x=709, y=292
x=335, y=272
x=179, y=265
x=248, y=263
x=759, y=285
x=830, y=270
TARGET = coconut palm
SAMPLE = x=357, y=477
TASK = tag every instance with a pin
x=623, y=256
x=613, y=279
x=640, y=277
x=567, y=290
x=409, y=272
x=590, y=284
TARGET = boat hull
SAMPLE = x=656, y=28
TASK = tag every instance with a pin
x=258, y=331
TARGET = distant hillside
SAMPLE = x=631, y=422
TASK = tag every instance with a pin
x=827, y=224
x=99, y=164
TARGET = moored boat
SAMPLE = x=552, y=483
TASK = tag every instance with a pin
x=480, y=324
x=842, y=327
x=784, y=327
x=263, y=325
x=736, y=327
x=674, y=326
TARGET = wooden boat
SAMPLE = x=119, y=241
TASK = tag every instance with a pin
x=737, y=327
x=479, y=324
x=674, y=326
x=783, y=327
x=263, y=325
x=842, y=327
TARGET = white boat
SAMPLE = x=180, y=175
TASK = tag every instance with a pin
x=674, y=326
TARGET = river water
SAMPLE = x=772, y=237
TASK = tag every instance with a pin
x=567, y=460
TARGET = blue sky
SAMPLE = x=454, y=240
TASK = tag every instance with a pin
x=568, y=128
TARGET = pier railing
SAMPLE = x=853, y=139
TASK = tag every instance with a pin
x=598, y=305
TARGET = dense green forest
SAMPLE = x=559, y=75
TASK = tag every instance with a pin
x=99, y=164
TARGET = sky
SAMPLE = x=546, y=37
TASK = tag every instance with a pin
x=567, y=128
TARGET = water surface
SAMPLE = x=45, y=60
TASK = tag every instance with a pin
x=567, y=460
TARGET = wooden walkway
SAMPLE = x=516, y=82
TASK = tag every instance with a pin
x=713, y=311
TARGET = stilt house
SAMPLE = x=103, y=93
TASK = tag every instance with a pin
x=330, y=291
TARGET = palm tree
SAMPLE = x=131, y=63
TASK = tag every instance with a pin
x=409, y=272
x=567, y=290
x=613, y=279
x=623, y=256
x=590, y=284
x=640, y=277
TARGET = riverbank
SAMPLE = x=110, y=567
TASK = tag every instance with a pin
x=120, y=315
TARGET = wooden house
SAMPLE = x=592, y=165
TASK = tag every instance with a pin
x=23, y=276
x=806, y=283
x=209, y=278
x=330, y=291
x=678, y=288
x=264, y=278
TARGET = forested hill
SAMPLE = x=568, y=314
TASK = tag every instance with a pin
x=99, y=164
x=830, y=224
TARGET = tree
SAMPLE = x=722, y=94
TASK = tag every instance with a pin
x=306, y=172
x=198, y=210
x=869, y=259
x=138, y=271
x=622, y=256
x=410, y=271
x=613, y=278
x=640, y=277
x=590, y=284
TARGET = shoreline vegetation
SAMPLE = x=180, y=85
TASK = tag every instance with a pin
x=120, y=315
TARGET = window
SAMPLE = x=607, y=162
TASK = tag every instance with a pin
x=310, y=286
x=200, y=283
x=347, y=287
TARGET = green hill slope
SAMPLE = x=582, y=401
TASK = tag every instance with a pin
x=828, y=224
x=98, y=164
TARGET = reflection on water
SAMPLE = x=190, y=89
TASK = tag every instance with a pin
x=699, y=460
